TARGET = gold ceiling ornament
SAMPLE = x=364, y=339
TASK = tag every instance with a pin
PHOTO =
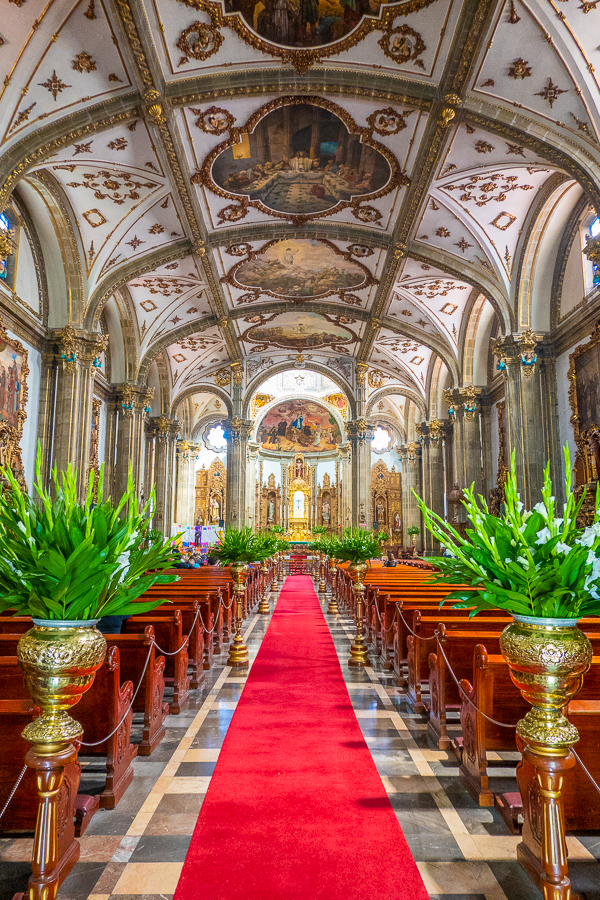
x=469, y=397
x=403, y=45
x=361, y=374
x=519, y=69
x=83, y=62
x=222, y=377
x=377, y=378
x=6, y=243
x=213, y=120
x=237, y=370
x=448, y=112
x=199, y=40
x=303, y=58
x=258, y=401
x=388, y=121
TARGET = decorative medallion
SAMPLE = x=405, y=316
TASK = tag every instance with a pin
x=199, y=41
x=301, y=33
x=388, y=121
x=54, y=84
x=360, y=250
x=403, y=45
x=324, y=164
x=304, y=331
x=213, y=120
x=519, y=69
x=551, y=92
x=239, y=249
x=299, y=270
x=83, y=62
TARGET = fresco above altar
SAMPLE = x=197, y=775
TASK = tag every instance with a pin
x=299, y=425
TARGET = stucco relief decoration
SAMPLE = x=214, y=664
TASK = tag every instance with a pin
x=527, y=347
x=293, y=331
x=303, y=33
x=403, y=45
x=239, y=249
x=13, y=398
x=199, y=41
x=482, y=189
x=299, y=270
x=300, y=158
x=360, y=250
x=213, y=120
x=388, y=121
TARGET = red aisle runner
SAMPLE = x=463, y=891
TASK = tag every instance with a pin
x=296, y=809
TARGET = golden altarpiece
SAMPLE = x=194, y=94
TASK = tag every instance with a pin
x=300, y=502
x=386, y=499
x=211, y=493
x=584, y=397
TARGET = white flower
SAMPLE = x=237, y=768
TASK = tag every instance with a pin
x=523, y=561
x=508, y=561
x=588, y=538
x=563, y=548
x=22, y=527
x=519, y=506
x=540, y=508
x=543, y=536
x=123, y=563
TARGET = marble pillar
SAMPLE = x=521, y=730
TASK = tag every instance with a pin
x=411, y=461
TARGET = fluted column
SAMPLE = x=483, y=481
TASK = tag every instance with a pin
x=465, y=404
x=182, y=477
x=528, y=363
x=345, y=495
x=131, y=405
x=250, y=474
x=237, y=432
x=75, y=359
x=433, y=473
x=410, y=460
x=164, y=471
x=360, y=435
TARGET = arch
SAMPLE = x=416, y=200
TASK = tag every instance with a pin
x=398, y=391
x=202, y=389
x=286, y=366
x=477, y=341
x=533, y=288
x=391, y=422
x=121, y=275
x=435, y=343
x=197, y=326
x=578, y=213
x=46, y=206
x=210, y=418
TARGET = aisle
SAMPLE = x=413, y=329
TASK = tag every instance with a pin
x=296, y=807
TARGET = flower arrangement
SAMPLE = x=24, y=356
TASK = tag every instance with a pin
x=244, y=546
x=527, y=562
x=356, y=546
x=64, y=560
x=414, y=529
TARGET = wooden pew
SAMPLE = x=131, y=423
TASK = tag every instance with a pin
x=99, y=711
x=133, y=652
x=169, y=636
x=193, y=614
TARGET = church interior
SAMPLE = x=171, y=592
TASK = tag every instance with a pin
x=303, y=267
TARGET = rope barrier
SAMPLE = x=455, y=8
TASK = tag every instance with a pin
x=14, y=790
x=587, y=772
x=414, y=634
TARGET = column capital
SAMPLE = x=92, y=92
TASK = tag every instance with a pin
x=130, y=397
x=359, y=430
x=73, y=347
x=464, y=401
x=163, y=428
x=521, y=351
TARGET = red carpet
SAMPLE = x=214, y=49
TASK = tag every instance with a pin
x=296, y=809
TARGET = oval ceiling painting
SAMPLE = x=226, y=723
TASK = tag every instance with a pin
x=298, y=331
x=300, y=159
x=299, y=426
x=301, y=268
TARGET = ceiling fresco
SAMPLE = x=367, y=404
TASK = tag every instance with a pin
x=335, y=183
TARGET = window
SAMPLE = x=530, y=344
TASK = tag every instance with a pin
x=4, y=226
x=382, y=440
x=216, y=438
x=595, y=228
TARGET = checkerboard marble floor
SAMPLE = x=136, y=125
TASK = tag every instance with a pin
x=136, y=851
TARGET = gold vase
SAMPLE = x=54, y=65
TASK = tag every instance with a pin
x=238, y=652
x=358, y=649
x=547, y=659
x=59, y=661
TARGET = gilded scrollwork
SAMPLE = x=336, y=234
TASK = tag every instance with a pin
x=213, y=120
x=13, y=381
x=403, y=45
x=199, y=41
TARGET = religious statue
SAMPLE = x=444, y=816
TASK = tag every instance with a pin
x=397, y=522
x=214, y=509
x=271, y=511
x=299, y=469
x=381, y=513
x=325, y=512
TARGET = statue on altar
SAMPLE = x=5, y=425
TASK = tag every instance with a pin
x=326, y=512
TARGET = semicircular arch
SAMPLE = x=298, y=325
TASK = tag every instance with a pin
x=285, y=367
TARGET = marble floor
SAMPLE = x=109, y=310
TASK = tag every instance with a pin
x=136, y=851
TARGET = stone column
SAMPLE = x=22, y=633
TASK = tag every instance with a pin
x=251, y=516
x=410, y=460
x=131, y=405
x=345, y=494
x=528, y=363
x=284, y=496
x=237, y=432
x=182, y=477
x=75, y=355
x=360, y=435
x=191, y=486
x=433, y=473
x=150, y=434
x=465, y=404
x=164, y=471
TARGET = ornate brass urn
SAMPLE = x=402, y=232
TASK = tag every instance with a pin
x=59, y=661
x=548, y=659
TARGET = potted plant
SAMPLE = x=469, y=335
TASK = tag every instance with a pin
x=357, y=546
x=237, y=548
x=543, y=570
x=413, y=531
x=67, y=564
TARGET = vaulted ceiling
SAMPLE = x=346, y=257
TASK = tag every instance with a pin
x=353, y=181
